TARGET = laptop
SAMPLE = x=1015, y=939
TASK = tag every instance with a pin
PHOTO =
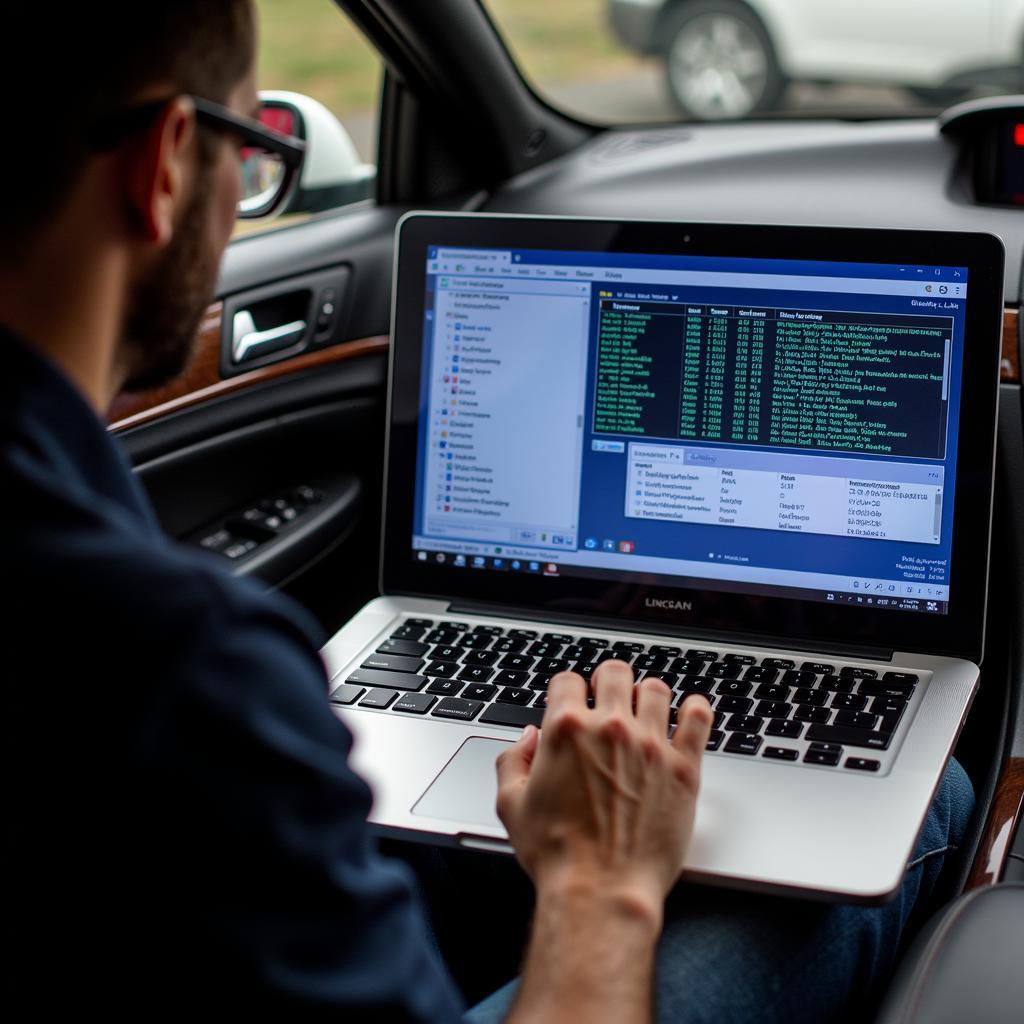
x=756, y=462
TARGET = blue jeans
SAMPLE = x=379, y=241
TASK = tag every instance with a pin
x=735, y=957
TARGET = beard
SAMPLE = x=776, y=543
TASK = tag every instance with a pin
x=165, y=309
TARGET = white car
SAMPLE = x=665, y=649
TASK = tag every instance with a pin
x=728, y=59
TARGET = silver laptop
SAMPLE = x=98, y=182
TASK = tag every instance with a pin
x=756, y=462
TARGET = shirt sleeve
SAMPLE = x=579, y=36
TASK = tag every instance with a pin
x=291, y=903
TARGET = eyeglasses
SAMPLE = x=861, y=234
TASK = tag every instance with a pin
x=270, y=159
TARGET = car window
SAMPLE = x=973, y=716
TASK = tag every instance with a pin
x=311, y=54
x=619, y=61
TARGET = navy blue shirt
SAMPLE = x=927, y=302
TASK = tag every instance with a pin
x=182, y=829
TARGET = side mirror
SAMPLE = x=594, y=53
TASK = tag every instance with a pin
x=332, y=174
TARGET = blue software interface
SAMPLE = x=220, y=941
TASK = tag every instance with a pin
x=759, y=426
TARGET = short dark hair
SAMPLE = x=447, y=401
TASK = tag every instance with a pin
x=90, y=61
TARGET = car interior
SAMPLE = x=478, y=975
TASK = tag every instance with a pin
x=269, y=450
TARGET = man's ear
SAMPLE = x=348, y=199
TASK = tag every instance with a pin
x=159, y=171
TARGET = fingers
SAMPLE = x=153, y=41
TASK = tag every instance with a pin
x=653, y=699
x=566, y=690
x=513, y=767
x=613, y=687
x=694, y=725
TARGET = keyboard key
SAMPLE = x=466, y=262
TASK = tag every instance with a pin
x=479, y=691
x=849, y=702
x=744, y=723
x=553, y=665
x=650, y=662
x=414, y=703
x=456, y=707
x=856, y=672
x=408, y=632
x=669, y=652
x=760, y=674
x=625, y=656
x=888, y=705
x=740, y=659
x=475, y=673
x=810, y=713
x=815, y=755
x=446, y=652
x=512, y=677
x=773, y=709
x=629, y=646
x=819, y=668
x=669, y=678
x=862, y=764
x=515, y=695
x=517, y=661
x=559, y=638
x=801, y=678
x=509, y=645
x=743, y=743
x=735, y=705
x=780, y=663
x=688, y=666
x=544, y=650
x=585, y=669
x=441, y=669
x=579, y=652
x=772, y=691
x=856, y=719
x=718, y=721
x=781, y=753
x=476, y=641
x=438, y=636
x=702, y=655
x=394, y=680
x=425, y=623
x=489, y=630
x=480, y=657
x=524, y=634
x=900, y=677
x=696, y=684
x=404, y=648
x=879, y=688
x=835, y=684
x=378, y=698
x=787, y=728
x=593, y=641
x=392, y=663
x=445, y=687
x=846, y=736
x=458, y=627
x=511, y=714
x=542, y=699
x=347, y=694
x=733, y=688
x=805, y=695
x=540, y=681
x=715, y=738
x=722, y=670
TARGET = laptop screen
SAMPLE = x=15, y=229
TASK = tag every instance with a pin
x=765, y=427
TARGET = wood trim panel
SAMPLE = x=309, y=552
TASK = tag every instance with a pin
x=202, y=381
x=1009, y=367
x=1006, y=809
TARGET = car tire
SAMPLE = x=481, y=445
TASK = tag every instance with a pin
x=720, y=64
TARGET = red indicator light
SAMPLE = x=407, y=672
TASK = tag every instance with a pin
x=1018, y=135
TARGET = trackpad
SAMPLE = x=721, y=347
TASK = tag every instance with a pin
x=467, y=787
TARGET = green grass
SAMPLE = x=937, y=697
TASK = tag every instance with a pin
x=309, y=46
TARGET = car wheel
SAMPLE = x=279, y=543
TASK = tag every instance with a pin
x=719, y=61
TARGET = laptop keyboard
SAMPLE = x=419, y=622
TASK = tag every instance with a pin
x=497, y=675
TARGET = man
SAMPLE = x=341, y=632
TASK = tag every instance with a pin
x=182, y=826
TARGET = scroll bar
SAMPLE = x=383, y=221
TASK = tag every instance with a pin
x=945, y=370
x=938, y=514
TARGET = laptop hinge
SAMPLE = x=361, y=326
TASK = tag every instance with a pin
x=673, y=630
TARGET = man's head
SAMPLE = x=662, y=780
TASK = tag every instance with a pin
x=116, y=163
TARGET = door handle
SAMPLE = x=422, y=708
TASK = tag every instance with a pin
x=247, y=342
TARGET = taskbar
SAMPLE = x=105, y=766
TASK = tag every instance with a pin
x=538, y=567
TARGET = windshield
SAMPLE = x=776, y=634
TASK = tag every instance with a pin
x=630, y=61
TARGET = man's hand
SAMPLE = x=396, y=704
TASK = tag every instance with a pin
x=599, y=808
